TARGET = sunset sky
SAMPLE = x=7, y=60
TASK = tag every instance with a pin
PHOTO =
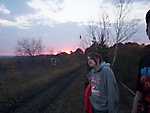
x=58, y=23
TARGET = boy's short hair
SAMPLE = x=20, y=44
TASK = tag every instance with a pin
x=147, y=17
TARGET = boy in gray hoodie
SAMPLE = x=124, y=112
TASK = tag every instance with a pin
x=104, y=88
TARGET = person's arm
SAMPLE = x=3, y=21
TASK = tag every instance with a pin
x=135, y=102
x=112, y=92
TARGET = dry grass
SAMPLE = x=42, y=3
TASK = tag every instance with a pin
x=16, y=82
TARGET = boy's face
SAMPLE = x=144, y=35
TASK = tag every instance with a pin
x=148, y=30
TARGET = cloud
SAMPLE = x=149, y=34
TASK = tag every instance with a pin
x=47, y=12
x=3, y=9
x=10, y=21
x=52, y=12
x=141, y=0
x=6, y=23
x=117, y=1
x=44, y=14
x=27, y=21
x=46, y=5
x=62, y=11
x=22, y=24
x=139, y=10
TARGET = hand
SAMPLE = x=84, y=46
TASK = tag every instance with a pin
x=135, y=102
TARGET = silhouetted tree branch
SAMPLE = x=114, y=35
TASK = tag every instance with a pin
x=124, y=28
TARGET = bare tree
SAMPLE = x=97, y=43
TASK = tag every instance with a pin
x=29, y=47
x=124, y=29
x=103, y=30
x=97, y=32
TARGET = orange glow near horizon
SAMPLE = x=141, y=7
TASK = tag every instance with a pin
x=6, y=53
x=67, y=50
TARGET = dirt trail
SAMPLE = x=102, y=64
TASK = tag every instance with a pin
x=41, y=99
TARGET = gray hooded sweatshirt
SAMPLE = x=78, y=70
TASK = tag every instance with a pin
x=105, y=94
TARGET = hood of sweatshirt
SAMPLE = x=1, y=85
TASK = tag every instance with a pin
x=103, y=64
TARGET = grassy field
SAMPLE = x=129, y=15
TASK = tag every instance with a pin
x=20, y=79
